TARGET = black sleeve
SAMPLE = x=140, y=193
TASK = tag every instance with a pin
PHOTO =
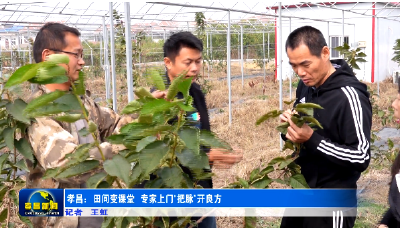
x=355, y=118
x=388, y=218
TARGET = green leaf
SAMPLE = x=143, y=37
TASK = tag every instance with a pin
x=269, y=115
x=108, y=222
x=298, y=181
x=121, y=222
x=289, y=102
x=172, y=177
x=3, y=103
x=254, y=173
x=69, y=118
x=157, y=80
x=307, y=111
x=71, y=101
x=21, y=164
x=208, y=138
x=143, y=93
x=150, y=158
x=282, y=128
x=83, y=132
x=23, y=74
x=118, y=166
x=80, y=86
x=13, y=195
x=48, y=72
x=299, y=121
x=16, y=110
x=191, y=137
x=50, y=173
x=134, y=178
x=184, y=87
x=132, y=107
x=144, y=142
x=193, y=160
x=184, y=107
x=25, y=220
x=309, y=105
x=250, y=222
x=165, y=221
x=3, y=215
x=267, y=170
x=244, y=183
x=390, y=144
x=53, y=80
x=312, y=120
x=361, y=60
x=95, y=180
x=24, y=148
x=262, y=183
x=114, y=139
x=277, y=160
x=361, y=54
x=174, y=87
x=8, y=135
x=381, y=113
x=79, y=169
x=43, y=100
x=285, y=163
x=288, y=145
x=147, y=119
x=3, y=192
x=3, y=158
x=58, y=58
x=157, y=105
x=92, y=127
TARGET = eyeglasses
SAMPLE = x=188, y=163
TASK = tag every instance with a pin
x=77, y=55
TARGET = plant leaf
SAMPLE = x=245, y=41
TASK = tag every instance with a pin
x=309, y=105
x=150, y=158
x=3, y=215
x=157, y=80
x=80, y=86
x=191, y=137
x=24, y=148
x=23, y=74
x=193, y=160
x=79, y=169
x=69, y=118
x=143, y=93
x=144, y=142
x=298, y=181
x=208, y=138
x=307, y=111
x=312, y=120
x=285, y=163
x=172, y=177
x=184, y=87
x=174, y=87
x=132, y=107
x=16, y=110
x=21, y=164
x=262, y=183
x=58, y=58
x=282, y=128
x=8, y=135
x=95, y=180
x=53, y=80
x=157, y=105
x=269, y=115
x=118, y=166
x=13, y=195
x=147, y=119
x=25, y=220
x=3, y=158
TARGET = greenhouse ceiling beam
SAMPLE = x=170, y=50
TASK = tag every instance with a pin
x=243, y=11
x=51, y=11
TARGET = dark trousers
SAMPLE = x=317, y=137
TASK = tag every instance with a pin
x=316, y=222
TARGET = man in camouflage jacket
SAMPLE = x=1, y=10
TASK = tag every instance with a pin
x=52, y=140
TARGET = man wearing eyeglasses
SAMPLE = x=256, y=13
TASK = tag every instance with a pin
x=52, y=140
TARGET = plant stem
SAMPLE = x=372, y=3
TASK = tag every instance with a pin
x=119, y=184
x=176, y=137
x=15, y=156
x=87, y=120
x=8, y=212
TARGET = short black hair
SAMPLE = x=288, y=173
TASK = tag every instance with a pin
x=177, y=41
x=309, y=36
x=51, y=36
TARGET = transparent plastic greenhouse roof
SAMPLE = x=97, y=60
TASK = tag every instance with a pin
x=160, y=16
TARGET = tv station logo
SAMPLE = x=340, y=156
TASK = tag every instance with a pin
x=41, y=202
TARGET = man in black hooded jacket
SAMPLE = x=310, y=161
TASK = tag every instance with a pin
x=335, y=156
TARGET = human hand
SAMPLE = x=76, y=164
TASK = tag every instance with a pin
x=159, y=94
x=224, y=159
x=287, y=115
x=298, y=134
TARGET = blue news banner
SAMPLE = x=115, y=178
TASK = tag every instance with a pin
x=186, y=202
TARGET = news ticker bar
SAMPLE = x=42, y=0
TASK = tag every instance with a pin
x=187, y=202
